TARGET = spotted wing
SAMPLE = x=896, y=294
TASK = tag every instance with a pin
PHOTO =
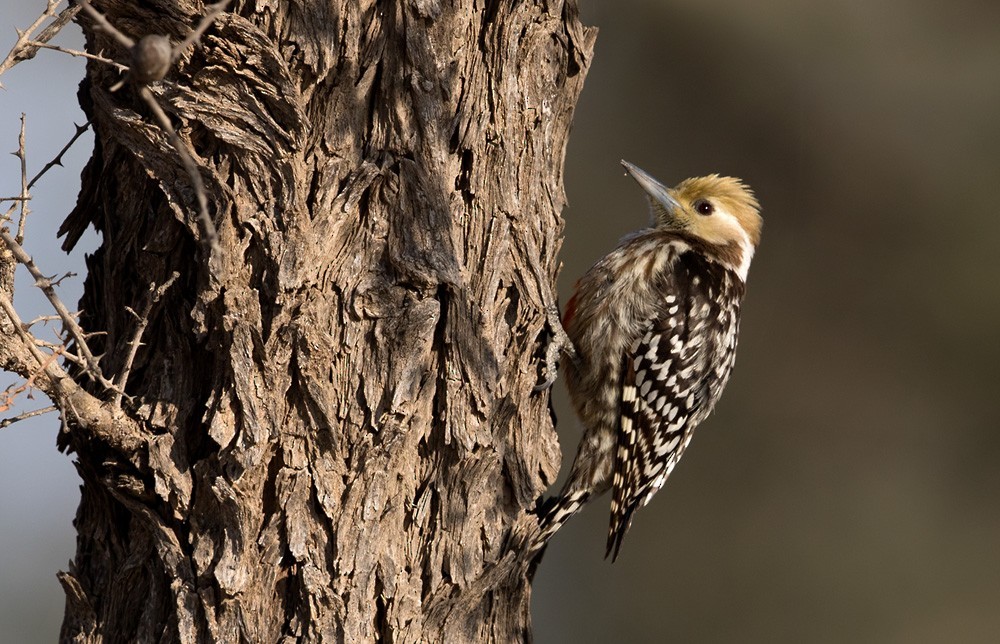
x=669, y=380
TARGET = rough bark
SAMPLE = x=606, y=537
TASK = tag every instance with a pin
x=338, y=434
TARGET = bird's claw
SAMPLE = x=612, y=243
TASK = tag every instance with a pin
x=558, y=344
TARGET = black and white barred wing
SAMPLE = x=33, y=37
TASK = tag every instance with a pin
x=665, y=383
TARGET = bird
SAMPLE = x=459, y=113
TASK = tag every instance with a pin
x=654, y=324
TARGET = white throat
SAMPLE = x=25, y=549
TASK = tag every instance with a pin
x=746, y=254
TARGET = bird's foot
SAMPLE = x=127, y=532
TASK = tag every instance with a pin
x=558, y=344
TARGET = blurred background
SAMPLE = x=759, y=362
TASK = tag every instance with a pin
x=847, y=489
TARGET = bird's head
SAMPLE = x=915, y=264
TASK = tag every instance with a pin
x=720, y=211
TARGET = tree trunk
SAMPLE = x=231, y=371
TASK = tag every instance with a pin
x=339, y=438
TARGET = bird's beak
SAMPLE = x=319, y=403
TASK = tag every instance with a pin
x=658, y=193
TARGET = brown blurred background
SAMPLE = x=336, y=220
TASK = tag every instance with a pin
x=847, y=488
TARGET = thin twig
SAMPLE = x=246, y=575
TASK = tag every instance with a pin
x=48, y=318
x=155, y=293
x=53, y=28
x=80, y=129
x=57, y=160
x=60, y=387
x=6, y=216
x=45, y=344
x=29, y=384
x=189, y=164
x=23, y=156
x=66, y=275
x=27, y=339
x=7, y=422
x=46, y=362
x=45, y=284
x=106, y=26
x=212, y=12
x=93, y=417
x=20, y=51
x=57, y=348
x=75, y=359
x=80, y=54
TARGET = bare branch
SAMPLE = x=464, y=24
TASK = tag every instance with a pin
x=59, y=281
x=53, y=28
x=57, y=160
x=22, y=50
x=62, y=351
x=107, y=27
x=155, y=293
x=7, y=422
x=28, y=341
x=45, y=284
x=80, y=129
x=98, y=419
x=6, y=216
x=23, y=156
x=47, y=318
x=80, y=54
x=29, y=384
x=65, y=354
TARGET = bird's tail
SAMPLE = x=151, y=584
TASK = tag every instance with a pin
x=565, y=506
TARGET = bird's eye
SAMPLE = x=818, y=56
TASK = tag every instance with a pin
x=704, y=207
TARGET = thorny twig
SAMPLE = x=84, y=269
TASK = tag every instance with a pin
x=58, y=281
x=47, y=318
x=45, y=284
x=29, y=384
x=61, y=349
x=79, y=54
x=23, y=156
x=44, y=360
x=69, y=397
x=57, y=160
x=155, y=293
x=36, y=360
x=7, y=422
x=26, y=46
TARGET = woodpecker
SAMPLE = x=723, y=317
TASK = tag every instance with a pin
x=655, y=325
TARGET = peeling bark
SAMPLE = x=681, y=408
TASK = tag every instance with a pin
x=339, y=437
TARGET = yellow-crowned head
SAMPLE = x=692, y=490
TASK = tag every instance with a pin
x=721, y=212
